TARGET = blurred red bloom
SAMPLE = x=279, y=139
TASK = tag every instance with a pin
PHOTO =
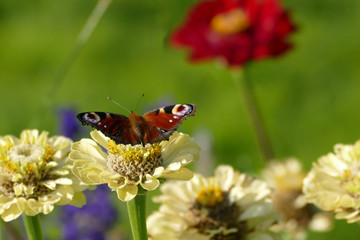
x=235, y=31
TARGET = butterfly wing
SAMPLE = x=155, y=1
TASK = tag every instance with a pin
x=162, y=122
x=115, y=126
x=152, y=127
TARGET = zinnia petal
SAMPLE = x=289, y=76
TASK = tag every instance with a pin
x=37, y=170
x=333, y=183
x=124, y=167
x=203, y=208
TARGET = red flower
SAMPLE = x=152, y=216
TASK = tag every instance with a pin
x=235, y=31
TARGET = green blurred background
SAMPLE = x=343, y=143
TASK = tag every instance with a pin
x=309, y=98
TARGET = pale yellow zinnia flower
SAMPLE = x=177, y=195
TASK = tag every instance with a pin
x=228, y=205
x=286, y=178
x=333, y=184
x=124, y=167
x=35, y=174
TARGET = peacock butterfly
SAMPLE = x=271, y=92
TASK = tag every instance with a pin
x=154, y=126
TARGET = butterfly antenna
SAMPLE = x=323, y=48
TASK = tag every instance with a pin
x=139, y=101
x=109, y=98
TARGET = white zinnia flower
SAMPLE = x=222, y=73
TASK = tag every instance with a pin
x=124, y=167
x=35, y=175
x=286, y=178
x=333, y=184
x=227, y=206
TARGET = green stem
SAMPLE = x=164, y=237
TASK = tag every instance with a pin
x=33, y=227
x=82, y=38
x=2, y=230
x=246, y=92
x=137, y=215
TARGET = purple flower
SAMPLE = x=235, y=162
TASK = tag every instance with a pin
x=68, y=126
x=92, y=220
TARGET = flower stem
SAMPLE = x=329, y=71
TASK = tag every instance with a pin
x=246, y=91
x=82, y=38
x=33, y=227
x=2, y=230
x=137, y=215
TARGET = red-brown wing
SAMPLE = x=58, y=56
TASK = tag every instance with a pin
x=170, y=117
x=153, y=134
x=115, y=126
x=145, y=132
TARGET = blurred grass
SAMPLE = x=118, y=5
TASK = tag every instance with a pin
x=309, y=98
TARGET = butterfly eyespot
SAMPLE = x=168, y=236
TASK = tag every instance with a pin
x=92, y=117
x=182, y=109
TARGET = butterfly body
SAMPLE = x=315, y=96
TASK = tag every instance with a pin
x=151, y=127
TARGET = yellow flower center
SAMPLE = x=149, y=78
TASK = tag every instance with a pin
x=351, y=182
x=26, y=153
x=230, y=22
x=213, y=213
x=29, y=168
x=25, y=164
x=347, y=173
x=4, y=149
x=112, y=147
x=49, y=153
x=9, y=166
x=210, y=196
x=134, y=162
